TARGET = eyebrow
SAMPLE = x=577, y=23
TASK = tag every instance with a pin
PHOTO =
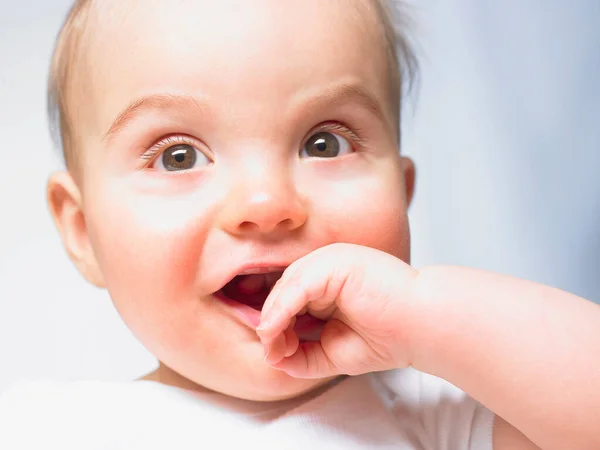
x=351, y=92
x=151, y=102
x=335, y=94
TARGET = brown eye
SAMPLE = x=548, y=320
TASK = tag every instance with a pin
x=326, y=145
x=181, y=157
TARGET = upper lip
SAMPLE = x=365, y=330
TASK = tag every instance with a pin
x=253, y=268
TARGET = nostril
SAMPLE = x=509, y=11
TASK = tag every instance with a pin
x=287, y=224
x=248, y=226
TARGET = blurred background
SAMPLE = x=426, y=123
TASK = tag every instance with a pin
x=504, y=133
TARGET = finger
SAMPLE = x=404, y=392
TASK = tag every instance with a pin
x=286, y=304
x=291, y=340
x=292, y=273
x=275, y=349
x=340, y=351
x=274, y=292
x=309, y=361
x=283, y=345
x=313, y=291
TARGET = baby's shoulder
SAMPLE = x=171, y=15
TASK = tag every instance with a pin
x=434, y=410
x=415, y=389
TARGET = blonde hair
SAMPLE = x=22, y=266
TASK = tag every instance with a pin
x=67, y=55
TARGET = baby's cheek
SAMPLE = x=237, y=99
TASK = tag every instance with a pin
x=374, y=215
x=148, y=255
x=385, y=229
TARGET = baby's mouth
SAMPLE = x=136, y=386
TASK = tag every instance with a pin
x=251, y=290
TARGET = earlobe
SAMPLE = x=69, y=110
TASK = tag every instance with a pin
x=408, y=168
x=64, y=201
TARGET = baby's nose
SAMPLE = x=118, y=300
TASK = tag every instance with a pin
x=264, y=205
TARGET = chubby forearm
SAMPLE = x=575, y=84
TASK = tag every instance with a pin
x=528, y=352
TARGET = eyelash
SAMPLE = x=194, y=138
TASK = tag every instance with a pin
x=165, y=143
x=354, y=134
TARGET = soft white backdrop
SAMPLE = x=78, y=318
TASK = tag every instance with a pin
x=505, y=136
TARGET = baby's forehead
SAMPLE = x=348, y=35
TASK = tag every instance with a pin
x=233, y=28
x=293, y=22
x=111, y=53
x=240, y=52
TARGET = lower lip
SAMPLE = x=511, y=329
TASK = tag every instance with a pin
x=250, y=316
x=305, y=324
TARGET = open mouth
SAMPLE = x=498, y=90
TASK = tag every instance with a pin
x=251, y=290
x=246, y=295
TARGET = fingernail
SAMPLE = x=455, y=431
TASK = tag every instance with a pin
x=266, y=322
x=265, y=310
x=263, y=325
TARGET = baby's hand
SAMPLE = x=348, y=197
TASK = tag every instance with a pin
x=367, y=298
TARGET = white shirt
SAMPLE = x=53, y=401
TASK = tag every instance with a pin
x=402, y=409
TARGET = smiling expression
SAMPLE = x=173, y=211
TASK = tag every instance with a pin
x=217, y=137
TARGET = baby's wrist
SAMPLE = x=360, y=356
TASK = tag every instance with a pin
x=430, y=319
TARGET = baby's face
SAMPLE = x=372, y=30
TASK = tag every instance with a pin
x=257, y=132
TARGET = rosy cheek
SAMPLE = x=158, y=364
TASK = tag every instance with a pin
x=148, y=250
x=383, y=228
x=370, y=211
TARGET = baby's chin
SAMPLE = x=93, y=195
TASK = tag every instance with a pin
x=288, y=388
x=274, y=386
x=263, y=385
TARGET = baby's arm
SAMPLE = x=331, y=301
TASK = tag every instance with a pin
x=528, y=352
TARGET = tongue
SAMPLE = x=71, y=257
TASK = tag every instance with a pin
x=251, y=290
x=251, y=284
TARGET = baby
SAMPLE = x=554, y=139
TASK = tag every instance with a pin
x=234, y=181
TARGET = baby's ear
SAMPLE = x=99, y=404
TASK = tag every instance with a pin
x=408, y=167
x=64, y=200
